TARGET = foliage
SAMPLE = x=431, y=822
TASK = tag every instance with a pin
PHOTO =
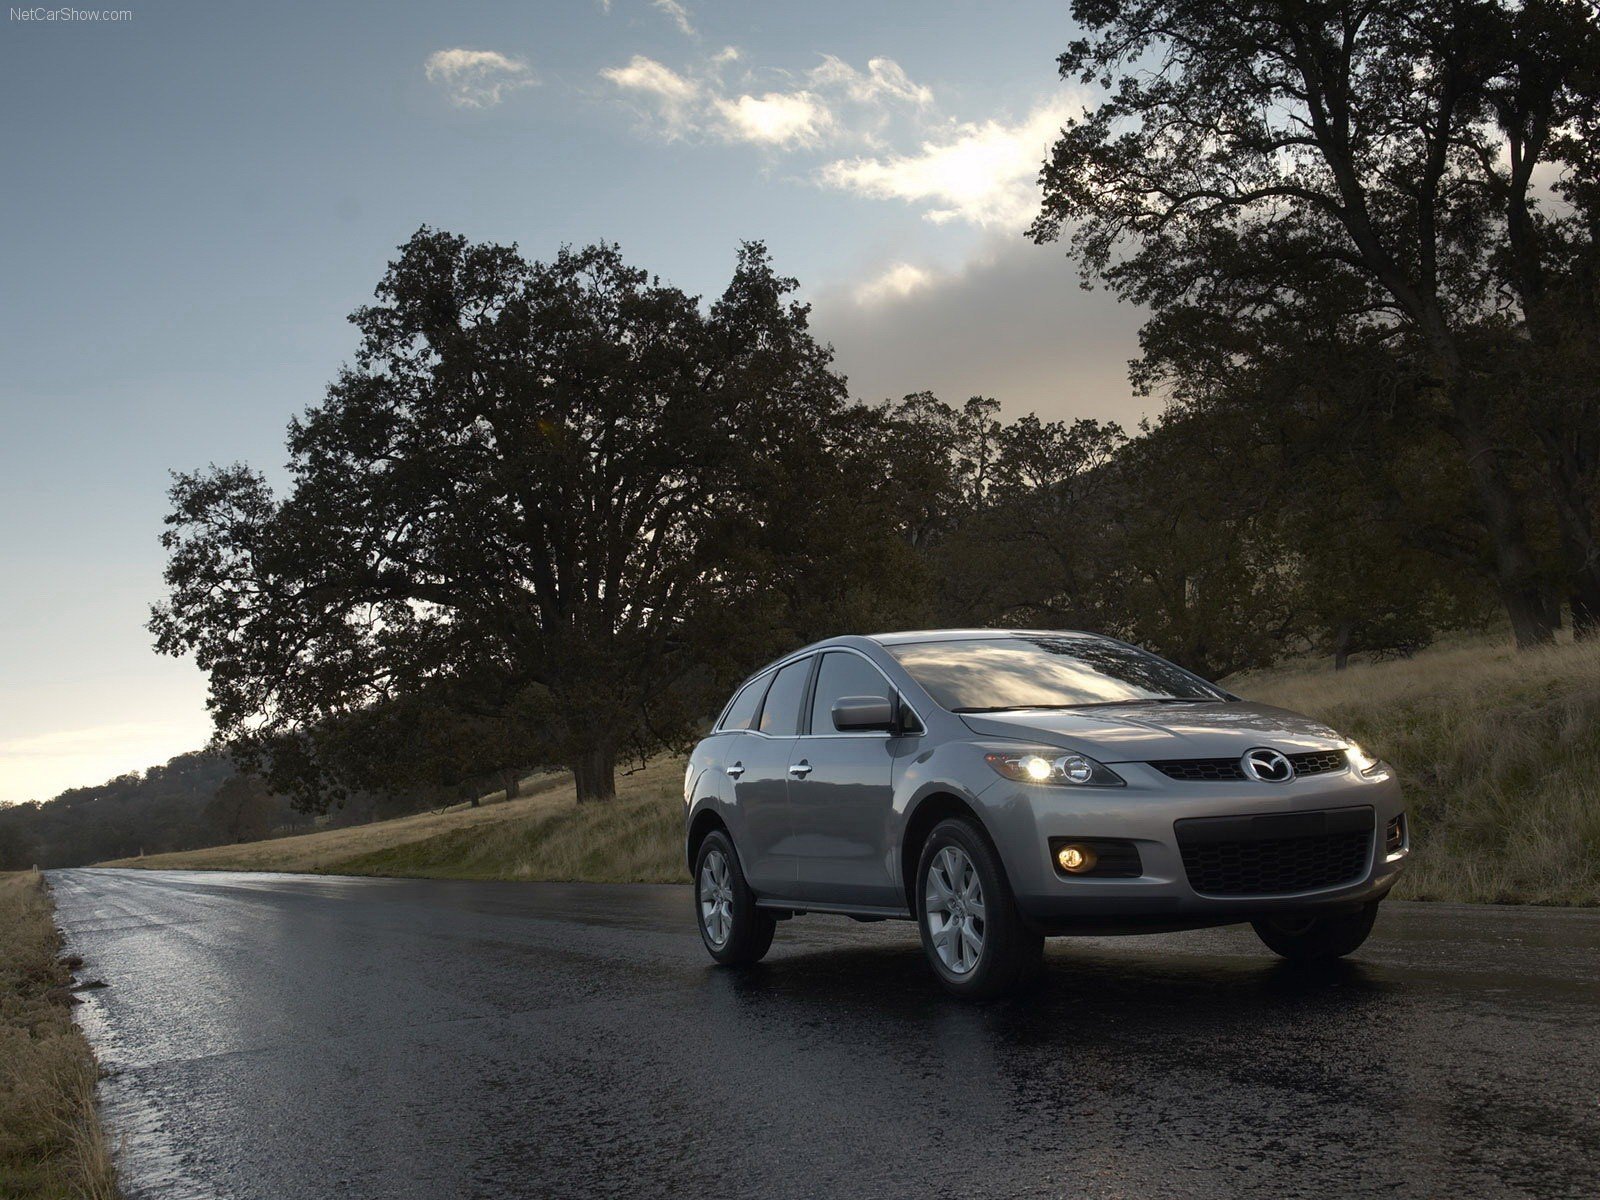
x=557, y=496
x=1278, y=166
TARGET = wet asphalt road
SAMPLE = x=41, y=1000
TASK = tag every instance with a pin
x=291, y=1036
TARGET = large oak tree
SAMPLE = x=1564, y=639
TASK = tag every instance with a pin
x=555, y=495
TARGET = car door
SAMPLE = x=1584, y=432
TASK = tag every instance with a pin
x=841, y=793
x=758, y=764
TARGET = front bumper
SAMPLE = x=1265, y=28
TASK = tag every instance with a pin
x=1024, y=818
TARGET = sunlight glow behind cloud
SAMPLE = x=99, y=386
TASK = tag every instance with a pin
x=983, y=173
x=895, y=283
x=776, y=118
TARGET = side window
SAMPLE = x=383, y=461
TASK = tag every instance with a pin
x=843, y=675
x=742, y=713
x=780, y=715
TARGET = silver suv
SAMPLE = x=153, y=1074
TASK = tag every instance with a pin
x=1001, y=786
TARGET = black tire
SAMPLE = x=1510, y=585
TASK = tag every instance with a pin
x=1317, y=939
x=1011, y=953
x=748, y=930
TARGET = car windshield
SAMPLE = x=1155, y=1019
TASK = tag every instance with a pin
x=1046, y=671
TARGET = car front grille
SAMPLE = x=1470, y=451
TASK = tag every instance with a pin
x=1213, y=770
x=1200, y=770
x=1318, y=762
x=1277, y=853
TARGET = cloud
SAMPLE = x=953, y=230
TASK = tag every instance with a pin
x=885, y=80
x=895, y=282
x=698, y=103
x=983, y=173
x=476, y=78
x=1012, y=323
x=679, y=15
x=775, y=119
x=673, y=95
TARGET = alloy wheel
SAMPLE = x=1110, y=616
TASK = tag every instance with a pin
x=716, y=898
x=954, y=900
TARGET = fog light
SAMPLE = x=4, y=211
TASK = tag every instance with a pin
x=1077, y=859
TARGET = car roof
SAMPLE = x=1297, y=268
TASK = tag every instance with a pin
x=908, y=636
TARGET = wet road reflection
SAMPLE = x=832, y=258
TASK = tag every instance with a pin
x=284, y=1036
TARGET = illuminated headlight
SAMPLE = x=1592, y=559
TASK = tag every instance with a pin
x=1052, y=767
x=688, y=781
x=1360, y=759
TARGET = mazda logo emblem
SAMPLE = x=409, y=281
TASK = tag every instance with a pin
x=1267, y=765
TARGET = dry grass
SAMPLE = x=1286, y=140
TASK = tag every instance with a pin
x=636, y=838
x=545, y=835
x=1499, y=752
x=318, y=851
x=51, y=1144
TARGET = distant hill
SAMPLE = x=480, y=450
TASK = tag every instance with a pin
x=194, y=800
x=169, y=807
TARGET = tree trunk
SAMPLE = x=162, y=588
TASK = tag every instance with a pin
x=595, y=772
x=511, y=783
x=1341, y=645
x=1516, y=579
x=1580, y=544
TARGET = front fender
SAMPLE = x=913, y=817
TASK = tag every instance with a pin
x=939, y=775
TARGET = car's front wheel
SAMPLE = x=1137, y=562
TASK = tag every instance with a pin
x=972, y=933
x=734, y=930
x=1317, y=939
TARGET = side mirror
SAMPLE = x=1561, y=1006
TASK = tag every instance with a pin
x=860, y=713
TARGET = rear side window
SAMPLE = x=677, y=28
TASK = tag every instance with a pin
x=742, y=713
x=839, y=676
x=780, y=715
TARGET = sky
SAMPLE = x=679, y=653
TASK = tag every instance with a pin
x=197, y=195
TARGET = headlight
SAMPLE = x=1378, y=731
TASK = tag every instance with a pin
x=1359, y=758
x=1052, y=767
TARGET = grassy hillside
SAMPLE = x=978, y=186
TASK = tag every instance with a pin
x=1499, y=753
x=543, y=835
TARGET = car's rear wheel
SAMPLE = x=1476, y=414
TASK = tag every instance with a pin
x=973, y=935
x=1317, y=939
x=734, y=930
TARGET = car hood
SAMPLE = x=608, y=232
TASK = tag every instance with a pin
x=1140, y=732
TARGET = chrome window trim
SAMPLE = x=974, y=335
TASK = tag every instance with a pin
x=793, y=660
x=737, y=692
x=796, y=657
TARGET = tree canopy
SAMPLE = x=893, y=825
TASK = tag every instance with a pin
x=1376, y=166
x=557, y=496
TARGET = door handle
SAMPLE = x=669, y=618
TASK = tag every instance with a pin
x=800, y=769
x=736, y=770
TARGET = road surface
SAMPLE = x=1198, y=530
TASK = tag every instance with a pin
x=286, y=1036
